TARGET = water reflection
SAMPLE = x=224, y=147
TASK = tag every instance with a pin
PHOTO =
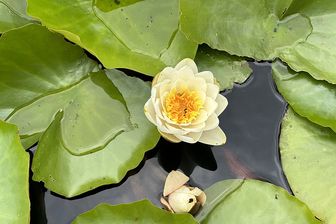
x=251, y=122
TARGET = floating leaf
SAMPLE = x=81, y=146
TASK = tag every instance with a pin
x=142, y=36
x=137, y=212
x=94, y=114
x=13, y=14
x=308, y=155
x=253, y=202
x=243, y=27
x=226, y=68
x=37, y=61
x=317, y=54
x=313, y=99
x=37, y=66
x=70, y=175
x=14, y=179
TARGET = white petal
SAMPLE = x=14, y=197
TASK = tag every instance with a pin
x=195, y=127
x=166, y=204
x=207, y=76
x=174, y=181
x=212, y=91
x=222, y=104
x=181, y=202
x=149, y=111
x=210, y=105
x=191, y=137
x=202, y=117
x=213, y=137
x=169, y=137
x=212, y=122
x=168, y=73
x=185, y=73
x=187, y=62
x=175, y=130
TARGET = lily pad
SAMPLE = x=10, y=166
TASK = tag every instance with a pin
x=142, y=36
x=245, y=27
x=253, y=202
x=142, y=212
x=38, y=65
x=313, y=99
x=226, y=68
x=37, y=62
x=70, y=175
x=14, y=179
x=94, y=114
x=13, y=14
x=308, y=155
x=317, y=54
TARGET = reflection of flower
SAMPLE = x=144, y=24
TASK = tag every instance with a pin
x=185, y=105
x=178, y=197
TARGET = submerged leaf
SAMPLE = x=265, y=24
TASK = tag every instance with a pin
x=313, y=99
x=317, y=54
x=70, y=175
x=14, y=179
x=244, y=27
x=308, y=155
x=226, y=68
x=142, y=36
x=142, y=212
x=253, y=202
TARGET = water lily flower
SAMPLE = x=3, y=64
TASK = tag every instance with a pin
x=179, y=197
x=185, y=105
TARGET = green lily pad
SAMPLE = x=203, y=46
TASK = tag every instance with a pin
x=313, y=99
x=94, y=114
x=41, y=74
x=14, y=179
x=317, y=54
x=308, y=155
x=37, y=62
x=142, y=36
x=253, y=202
x=226, y=68
x=244, y=27
x=141, y=212
x=13, y=14
x=70, y=175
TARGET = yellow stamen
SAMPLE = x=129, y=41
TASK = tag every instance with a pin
x=183, y=106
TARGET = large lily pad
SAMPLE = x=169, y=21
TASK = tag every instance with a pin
x=37, y=61
x=13, y=14
x=253, y=202
x=317, y=54
x=226, y=68
x=94, y=114
x=142, y=35
x=14, y=179
x=141, y=212
x=70, y=175
x=38, y=66
x=308, y=155
x=251, y=28
x=313, y=99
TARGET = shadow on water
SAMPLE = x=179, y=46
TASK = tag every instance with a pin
x=251, y=123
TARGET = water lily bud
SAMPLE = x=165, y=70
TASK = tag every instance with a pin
x=185, y=105
x=181, y=201
x=179, y=197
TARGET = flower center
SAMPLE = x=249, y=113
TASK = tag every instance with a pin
x=183, y=106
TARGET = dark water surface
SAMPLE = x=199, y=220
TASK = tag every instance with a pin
x=251, y=123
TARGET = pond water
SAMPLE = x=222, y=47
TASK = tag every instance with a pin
x=251, y=123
